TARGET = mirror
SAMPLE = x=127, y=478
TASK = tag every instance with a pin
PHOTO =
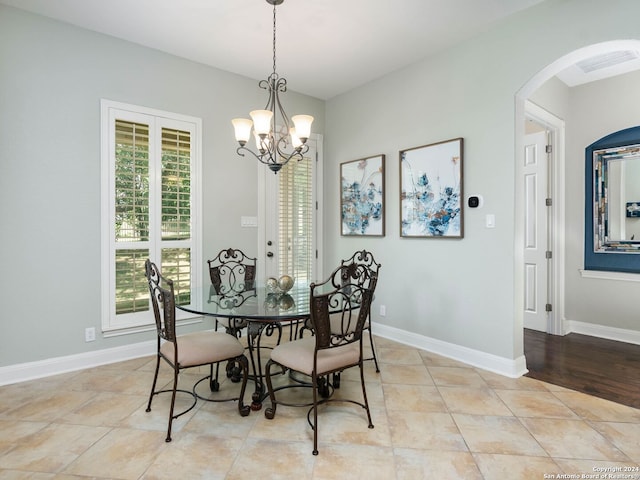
x=616, y=188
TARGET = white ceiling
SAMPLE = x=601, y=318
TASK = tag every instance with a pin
x=324, y=47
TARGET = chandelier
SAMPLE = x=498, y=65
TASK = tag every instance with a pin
x=277, y=141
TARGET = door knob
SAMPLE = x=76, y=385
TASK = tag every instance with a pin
x=269, y=254
x=269, y=243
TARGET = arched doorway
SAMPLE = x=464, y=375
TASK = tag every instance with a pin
x=557, y=244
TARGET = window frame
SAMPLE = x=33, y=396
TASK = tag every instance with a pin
x=113, y=324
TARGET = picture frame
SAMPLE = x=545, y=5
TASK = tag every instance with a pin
x=431, y=193
x=362, y=197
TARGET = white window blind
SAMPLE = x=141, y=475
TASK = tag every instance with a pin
x=150, y=163
x=296, y=225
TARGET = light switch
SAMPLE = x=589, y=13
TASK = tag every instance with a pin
x=490, y=220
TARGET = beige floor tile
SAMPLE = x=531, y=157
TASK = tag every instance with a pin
x=121, y=454
x=398, y=356
x=413, y=464
x=106, y=409
x=592, y=467
x=52, y=448
x=342, y=423
x=535, y=404
x=195, y=457
x=506, y=383
x=433, y=359
x=49, y=405
x=500, y=467
x=354, y=462
x=572, y=439
x=474, y=401
x=13, y=432
x=413, y=398
x=434, y=417
x=282, y=459
x=625, y=436
x=22, y=475
x=456, y=377
x=406, y=374
x=220, y=419
x=427, y=431
x=598, y=409
x=500, y=435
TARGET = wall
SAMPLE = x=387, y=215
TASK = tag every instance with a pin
x=52, y=77
x=596, y=110
x=458, y=292
x=461, y=292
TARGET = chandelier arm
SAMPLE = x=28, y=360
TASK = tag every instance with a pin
x=261, y=158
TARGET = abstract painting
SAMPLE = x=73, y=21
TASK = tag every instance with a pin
x=431, y=190
x=362, y=197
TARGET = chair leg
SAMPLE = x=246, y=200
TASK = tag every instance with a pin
x=214, y=385
x=364, y=395
x=373, y=348
x=244, y=367
x=153, y=385
x=314, y=381
x=173, y=403
x=270, y=412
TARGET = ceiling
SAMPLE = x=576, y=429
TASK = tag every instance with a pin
x=324, y=47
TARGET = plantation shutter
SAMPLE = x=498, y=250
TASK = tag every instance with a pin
x=296, y=206
x=150, y=170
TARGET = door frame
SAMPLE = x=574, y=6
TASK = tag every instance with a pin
x=555, y=213
x=264, y=198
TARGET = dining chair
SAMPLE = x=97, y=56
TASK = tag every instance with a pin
x=365, y=258
x=339, y=308
x=233, y=276
x=188, y=350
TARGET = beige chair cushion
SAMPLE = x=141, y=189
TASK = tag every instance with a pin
x=200, y=348
x=298, y=355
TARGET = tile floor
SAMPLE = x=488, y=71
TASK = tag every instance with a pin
x=434, y=418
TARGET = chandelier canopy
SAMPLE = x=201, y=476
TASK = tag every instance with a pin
x=277, y=141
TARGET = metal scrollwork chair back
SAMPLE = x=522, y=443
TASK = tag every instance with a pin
x=338, y=312
x=233, y=276
x=367, y=260
x=188, y=350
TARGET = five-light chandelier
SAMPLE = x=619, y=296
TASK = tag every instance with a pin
x=277, y=141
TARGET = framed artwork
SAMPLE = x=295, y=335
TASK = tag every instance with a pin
x=362, y=197
x=431, y=190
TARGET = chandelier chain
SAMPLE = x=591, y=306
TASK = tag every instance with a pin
x=274, y=39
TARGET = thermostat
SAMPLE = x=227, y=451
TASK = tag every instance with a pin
x=474, y=201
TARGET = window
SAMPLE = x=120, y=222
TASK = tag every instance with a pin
x=296, y=224
x=150, y=163
x=289, y=236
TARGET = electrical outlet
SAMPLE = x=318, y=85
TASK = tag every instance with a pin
x=89, y=334
x=383, y=310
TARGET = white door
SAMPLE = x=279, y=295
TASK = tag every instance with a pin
x=289, y=218
x=536, y=234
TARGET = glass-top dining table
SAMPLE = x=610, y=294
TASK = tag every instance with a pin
x=265, y=313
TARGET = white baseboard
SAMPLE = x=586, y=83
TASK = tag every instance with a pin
x=70, y=363
x=602, y=331
x=486, y=361
x=54, y=366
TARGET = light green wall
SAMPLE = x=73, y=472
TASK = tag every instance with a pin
x=596, y=110
x=460, y=291
x=52, y=77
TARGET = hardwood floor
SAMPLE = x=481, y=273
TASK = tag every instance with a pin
x=599, y=367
